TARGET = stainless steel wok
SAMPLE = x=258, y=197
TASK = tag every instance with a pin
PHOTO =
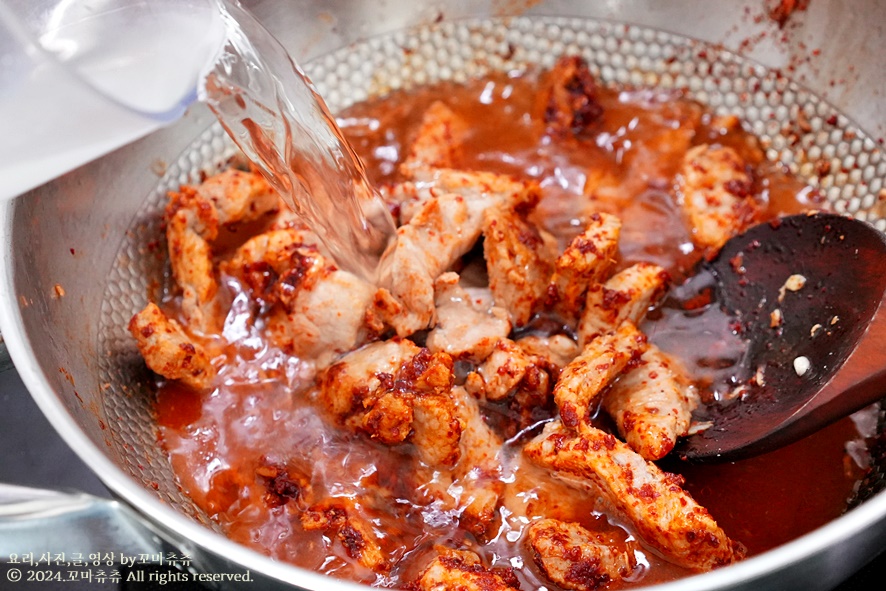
x=75, y=261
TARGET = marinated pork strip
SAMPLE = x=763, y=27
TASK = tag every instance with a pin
x=318, y=310
x=600, y=362
x=344, y=385
x=239, y=196
x=471, y=489
x=344, y=517
x=481, y=187
x=518, y=365
x=193, y=217
x=322, y=311
x=652, y=404
x=556, y=350
x=396, y=391
x=715, y=191
x=664, y=516
x=191, y=224
x=501, y=372
x=168, y=350
x=444, y=228
x=462, y=570
x=519, y=259
x=260, y=261
x=587, y=260
x=576, y=558
x=438, y=423
x=520, y=379
x=479, y=471
x=486, y=189
x=438, y=141
x=467, y=328
x=626, y=295
x=569, y=97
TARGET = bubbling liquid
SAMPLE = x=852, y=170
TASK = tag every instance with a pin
x=261, y=411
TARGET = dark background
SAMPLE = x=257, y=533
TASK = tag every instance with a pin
x=32, y=454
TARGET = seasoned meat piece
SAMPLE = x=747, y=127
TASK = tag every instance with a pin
x=239, y=196
x=501, y=372
x=436, y=429
x=461, y=570
x=519, y=259
x=445, y=227
x=479, y=471
x=586, y=261
x=389, y=418
x=664, y=515
x=466, y=329
x=716, y=193
x=322, y=309
x=575, y=558
x=596, y=366
x=168, y=350
x=652, y=404
x=438, y=141
x=483, y=189
x=319, y=311
x=344, y=385
x=193, y=217
x=353, y=531
x=625, y=296
x=570, y=97
x=471, y=489
x=515, y=374
x=260, y=261
x=396, y=391
x=191, y=224
x=556, y=350
x=437, y=426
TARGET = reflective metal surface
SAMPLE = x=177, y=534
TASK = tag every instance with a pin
x=72, y=272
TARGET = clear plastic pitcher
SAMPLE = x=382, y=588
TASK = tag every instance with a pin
x=80, y=78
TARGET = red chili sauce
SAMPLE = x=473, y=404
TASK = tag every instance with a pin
x=260, y=414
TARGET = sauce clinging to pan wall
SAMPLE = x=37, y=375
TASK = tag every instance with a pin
x=235, y=449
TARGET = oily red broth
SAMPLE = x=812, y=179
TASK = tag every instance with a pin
x=261, y=411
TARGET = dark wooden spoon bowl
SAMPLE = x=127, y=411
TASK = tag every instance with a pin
x=819, y=350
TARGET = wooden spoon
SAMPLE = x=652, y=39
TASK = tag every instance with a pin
x=806, y=292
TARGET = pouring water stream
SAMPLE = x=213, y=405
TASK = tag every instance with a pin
x=126, y=67
x=273, y=112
